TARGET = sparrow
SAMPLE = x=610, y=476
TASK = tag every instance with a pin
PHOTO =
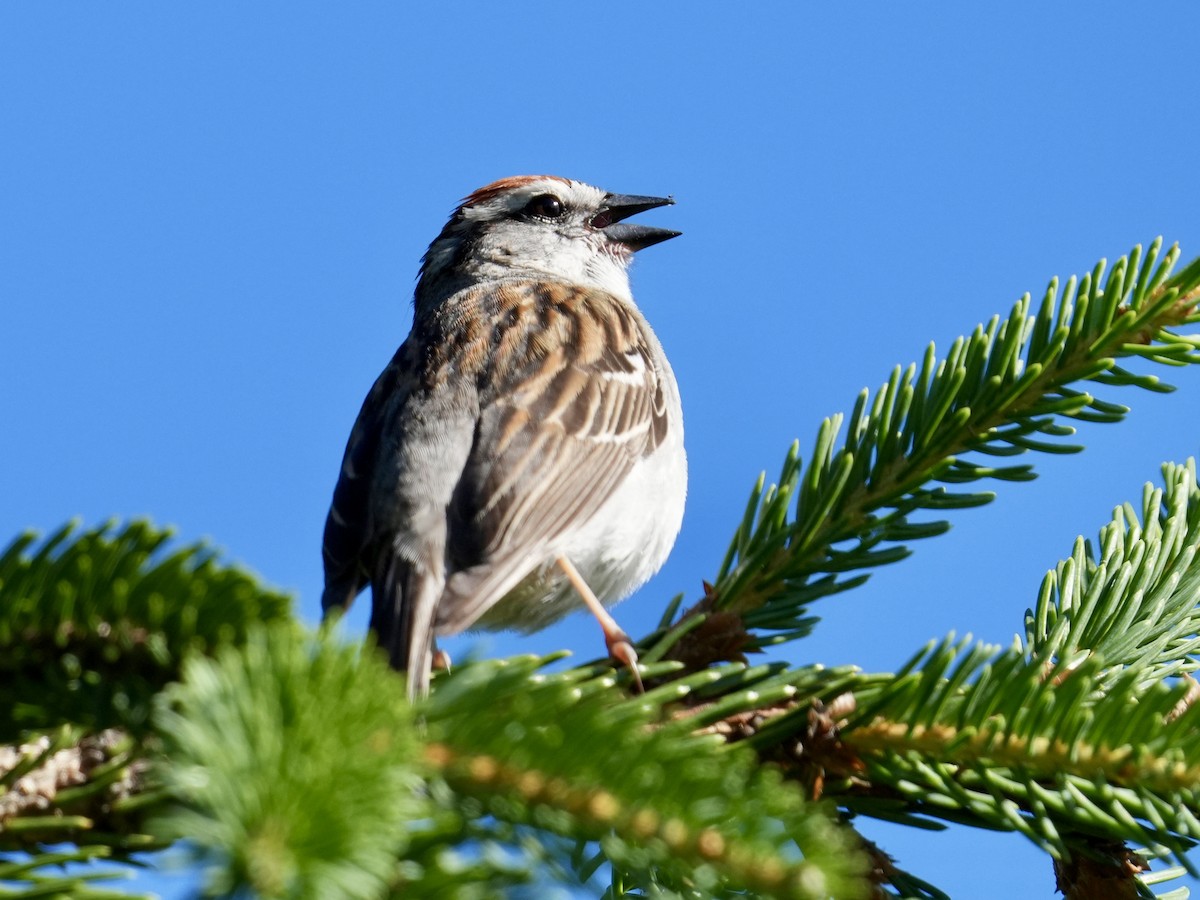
x=522, y=454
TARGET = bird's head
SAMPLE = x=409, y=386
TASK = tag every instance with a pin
x=541, y=227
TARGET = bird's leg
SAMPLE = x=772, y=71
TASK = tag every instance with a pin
x=441, y=660
x=619, y=644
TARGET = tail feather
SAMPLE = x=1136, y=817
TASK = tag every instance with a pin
x=470, y=593
x=404, y=598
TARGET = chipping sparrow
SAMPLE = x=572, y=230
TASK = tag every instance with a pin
x=523, y=451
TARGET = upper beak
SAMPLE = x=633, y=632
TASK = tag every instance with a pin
x=635, y=237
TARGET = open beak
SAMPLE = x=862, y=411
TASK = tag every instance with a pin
x=618, y=207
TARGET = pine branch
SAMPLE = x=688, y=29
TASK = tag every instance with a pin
x=968, y=733
x=641, y=797
x=93, y=625
x=1001, y=392
x=974, y=735
x=252, y=737
x=295, y=763
x=69, y=788
x=43, y=876
x=1136, y=605
x=1084, y=731
x=1079, y=738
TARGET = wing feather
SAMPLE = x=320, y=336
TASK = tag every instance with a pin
x=570, y=402
x=347, y=526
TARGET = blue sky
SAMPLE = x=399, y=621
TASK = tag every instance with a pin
x=211, y=217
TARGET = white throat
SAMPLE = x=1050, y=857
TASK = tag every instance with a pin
x=502, y=254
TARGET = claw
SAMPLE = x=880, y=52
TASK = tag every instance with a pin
x=621, y=649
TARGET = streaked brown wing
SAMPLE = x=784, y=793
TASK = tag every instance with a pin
x=570, y=402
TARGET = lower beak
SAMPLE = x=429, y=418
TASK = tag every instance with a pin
x=639, y=237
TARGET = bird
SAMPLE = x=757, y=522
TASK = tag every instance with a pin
x=522, y=453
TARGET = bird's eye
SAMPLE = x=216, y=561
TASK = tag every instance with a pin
x=545, y=206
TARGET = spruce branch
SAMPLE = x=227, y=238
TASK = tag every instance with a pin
x=93, y=624
x=668, y=807
x=1135, y=604
x=251, y=739
x=986, y=737
x=1001, y=392
x=69, y=787
x=1082, y=737
x=976, y=734
x=1083, y=730
x=44, y=876
x=294, y=763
